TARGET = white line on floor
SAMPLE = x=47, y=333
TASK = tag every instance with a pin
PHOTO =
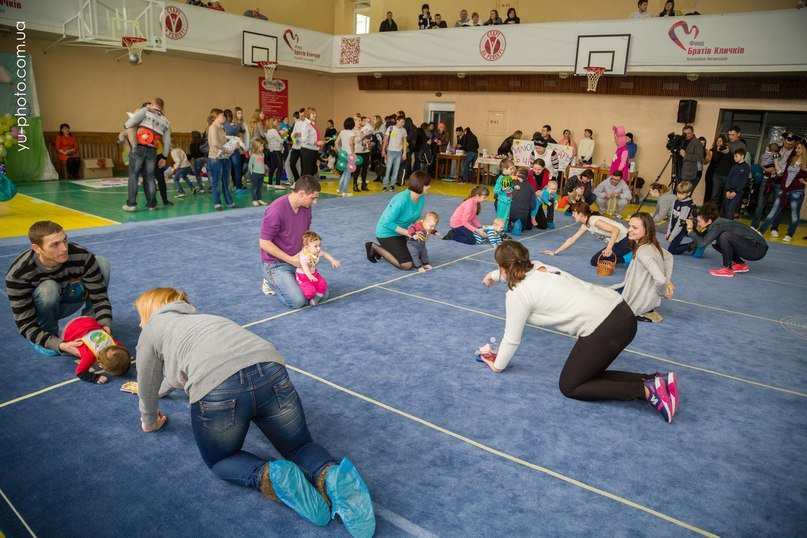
x=401, y=522
x=19, y=516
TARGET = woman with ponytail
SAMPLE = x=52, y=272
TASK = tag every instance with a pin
x=464, y=221
x=600, y=320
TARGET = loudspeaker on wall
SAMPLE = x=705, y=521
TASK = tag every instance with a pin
x=686, y=110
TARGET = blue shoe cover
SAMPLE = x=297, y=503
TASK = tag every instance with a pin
x=44, y=351
x=550, y=225
x=627, y=258
x=297, y=493
x=698, y=252
x=350, y=499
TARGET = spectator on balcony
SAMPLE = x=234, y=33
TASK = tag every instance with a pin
x=475, y=19
x=255, y=13
x=425, y=18
x=493, y=19
x=669, y=10
x=67, y=151
x=512, y=18
x=388, y=24
x=642, y=13
x=438, y=22
x=215, y=5
x=463, y=20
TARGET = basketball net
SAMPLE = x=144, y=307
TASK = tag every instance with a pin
x=593, y=74
x=135, y=46
x=268, y=70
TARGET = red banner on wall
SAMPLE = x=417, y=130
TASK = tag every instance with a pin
x=273, y=97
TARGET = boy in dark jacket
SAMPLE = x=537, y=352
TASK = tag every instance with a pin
x=736, y=183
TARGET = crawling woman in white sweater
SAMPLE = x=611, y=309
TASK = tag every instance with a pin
x=598, y=317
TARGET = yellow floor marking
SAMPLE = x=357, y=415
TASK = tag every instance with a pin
x=629, y=350
x=37, y=393
x=20, y=212
x=505, y=455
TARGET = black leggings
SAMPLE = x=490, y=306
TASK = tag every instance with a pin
x=735, y=248
x=293, y=160
x=361, y=170
x=72, y=165
x=584, y=376
x=159, y=176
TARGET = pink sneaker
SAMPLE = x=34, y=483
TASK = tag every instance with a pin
x=723, y=271
x=739, y=267
x=659, y=398
x=670, y=381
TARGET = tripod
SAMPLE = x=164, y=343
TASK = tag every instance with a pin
x=673, y=177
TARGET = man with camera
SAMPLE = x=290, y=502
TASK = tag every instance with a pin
x=691, y=153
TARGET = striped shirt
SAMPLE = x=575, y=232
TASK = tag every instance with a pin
x=26, y=273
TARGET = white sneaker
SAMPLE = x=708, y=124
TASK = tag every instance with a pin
x=266, y=288
x=774, y=233
x=346, y=194
x=787, y=239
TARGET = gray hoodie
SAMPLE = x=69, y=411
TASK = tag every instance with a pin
x=195, y=352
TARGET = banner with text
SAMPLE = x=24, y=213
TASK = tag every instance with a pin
x=273, y=97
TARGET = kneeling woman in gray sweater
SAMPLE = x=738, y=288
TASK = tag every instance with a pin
x=648, y=278
x=231, y=386
x=597, y=317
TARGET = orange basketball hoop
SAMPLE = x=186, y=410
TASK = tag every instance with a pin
x=135, y=46
x=593, y=74
x=268, y=69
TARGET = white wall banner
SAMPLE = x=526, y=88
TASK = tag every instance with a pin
x=708, y=43
x=764, y=41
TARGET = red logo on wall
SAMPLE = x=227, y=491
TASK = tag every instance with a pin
x=687, y=31
x=492, y=45
x=292, y=40
x=176, y=23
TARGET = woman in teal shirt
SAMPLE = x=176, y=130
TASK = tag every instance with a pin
x=391, y=231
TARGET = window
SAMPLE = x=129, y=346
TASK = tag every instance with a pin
x=756, y=126
x=362, y=24
x=361, y=10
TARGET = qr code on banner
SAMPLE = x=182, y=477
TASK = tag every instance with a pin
x=351, y=47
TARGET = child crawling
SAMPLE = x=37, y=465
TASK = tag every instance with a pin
x=97, y=346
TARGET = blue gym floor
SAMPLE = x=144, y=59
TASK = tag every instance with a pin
x=386, y=373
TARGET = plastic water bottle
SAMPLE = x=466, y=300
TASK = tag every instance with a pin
x=494, y=346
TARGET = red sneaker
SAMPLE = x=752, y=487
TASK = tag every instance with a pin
x=723, y=271
x=739, y=267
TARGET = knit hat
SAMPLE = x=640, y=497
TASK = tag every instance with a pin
x=619, y=135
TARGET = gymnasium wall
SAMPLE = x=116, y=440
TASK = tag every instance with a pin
x=86, y=88
x=406, y=12
x=649, y=118
x=311, y=14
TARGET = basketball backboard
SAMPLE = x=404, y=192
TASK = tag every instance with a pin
x=257, y=48
x=104, y=22
x=608, y=51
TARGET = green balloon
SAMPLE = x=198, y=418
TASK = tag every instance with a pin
x=359, y=160
x=341, y=165
x=342, y=155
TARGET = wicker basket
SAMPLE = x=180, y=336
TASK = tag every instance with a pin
x=605, y=267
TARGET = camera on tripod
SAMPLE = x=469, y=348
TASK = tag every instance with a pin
x=675, y=142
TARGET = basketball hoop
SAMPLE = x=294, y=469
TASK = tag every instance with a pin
x=593, y=74
x=268, y=69
x=135, y=46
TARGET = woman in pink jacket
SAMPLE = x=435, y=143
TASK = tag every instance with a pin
x=464, y=221
x=621, y=159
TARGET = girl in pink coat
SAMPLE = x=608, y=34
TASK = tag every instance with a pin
x=621, y=160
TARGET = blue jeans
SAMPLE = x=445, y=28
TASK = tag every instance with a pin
x=235, y=166
x=53, y=303
x=762, y=201
x=217, y=169
x=263, y=394
x=142, y=160
x=393, y=165
x=280, y=276
x=181, y=174
x=467, y=165
x=344, y=181
x=795, y=199
x=620, y=249
x=198, y=163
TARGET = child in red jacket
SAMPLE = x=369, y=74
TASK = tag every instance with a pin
x=97, y=346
